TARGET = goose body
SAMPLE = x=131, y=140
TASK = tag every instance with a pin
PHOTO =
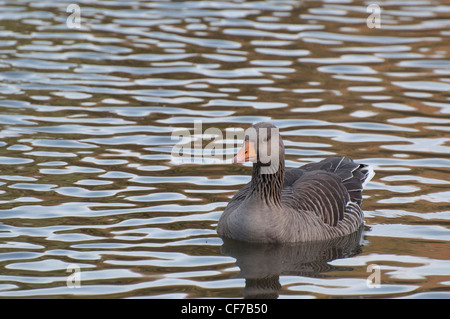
x=317, y=201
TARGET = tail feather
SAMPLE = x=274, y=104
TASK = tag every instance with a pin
x=369, y=173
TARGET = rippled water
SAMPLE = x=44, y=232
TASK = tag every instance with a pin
x=88, y=180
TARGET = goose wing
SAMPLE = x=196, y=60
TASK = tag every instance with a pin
x=330, y=188
x=319, y=192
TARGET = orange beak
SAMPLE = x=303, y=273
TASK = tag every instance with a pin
x=246, y=154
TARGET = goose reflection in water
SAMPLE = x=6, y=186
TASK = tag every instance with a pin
x=262, y=264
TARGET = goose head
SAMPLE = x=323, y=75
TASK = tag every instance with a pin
x=263, y=146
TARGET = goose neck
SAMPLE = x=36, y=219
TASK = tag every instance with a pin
x=267, y=184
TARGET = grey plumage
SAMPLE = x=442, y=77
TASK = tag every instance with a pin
x=317, y=201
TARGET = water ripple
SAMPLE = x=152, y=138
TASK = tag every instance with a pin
x=87, y=174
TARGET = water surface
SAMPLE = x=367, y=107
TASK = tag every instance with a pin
x=87, y=176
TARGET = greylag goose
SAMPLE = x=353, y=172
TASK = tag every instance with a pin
x=317, y=201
